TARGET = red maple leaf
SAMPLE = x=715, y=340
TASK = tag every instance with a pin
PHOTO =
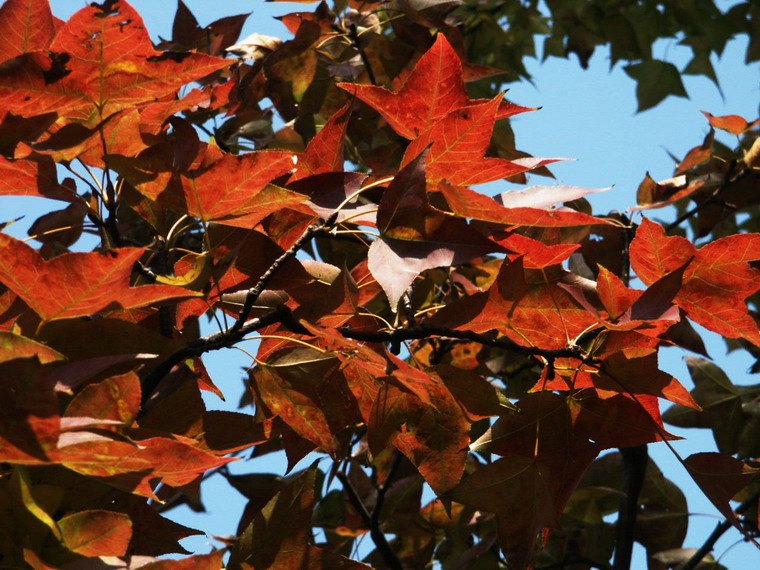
x=99, y=62
x=77, y=284
x=432, y=90
x=716, y=282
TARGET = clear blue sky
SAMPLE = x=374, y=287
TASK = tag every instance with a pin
x=586, y=115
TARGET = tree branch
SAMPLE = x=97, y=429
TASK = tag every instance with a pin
x=422, y=331
x=208, y=343
x=241, y=326
x=720, y=529
x=383, y=489
x=255, y=291
x=372, y=522
x=730, y=179
x=354, y=36
x=635, y=461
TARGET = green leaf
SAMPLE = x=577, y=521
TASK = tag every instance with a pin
x=701, y=65
x=655, y=81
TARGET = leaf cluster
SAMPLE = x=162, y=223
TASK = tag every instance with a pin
x=413, y=332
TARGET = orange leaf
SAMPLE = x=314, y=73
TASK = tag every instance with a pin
x=131, y=466
x=526, y=305
x=618, y=421
x=25, y=26
x=325, y=151
x=698, y=154
x=537, y=255
x=459, y=144
x=96, y=533
x=116, y=398
x=211, y=561
x=77, y=284
x=434, y=438
x=641, y=376
x=470, y=204
x=716, y=282
x=431, y=91
x=733, y=124
x=307, y=390
x=614, y=295
x=245, y=198
x=33, y=176
x=13, y=346
x=100, y=62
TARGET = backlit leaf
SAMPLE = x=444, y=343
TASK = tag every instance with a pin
x=409, y=112
x=211, y=561
x=77, y=284
x=325, y=151
x=716, y=282
x=96, y=532
x=14, y=346
x=116, y=398
x=415, y=235
x=25, y=26
x=733, y=124
x=459, y=144
x=470, y=204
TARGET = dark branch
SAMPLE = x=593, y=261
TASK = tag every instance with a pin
x=208, y=343
x=418, y=332
x=255, y=291
x=372, y=522
x=145, y=272
x=720, y=529
x=382, y=490
x=635, y=461
x=356, y=40
x=712, y=199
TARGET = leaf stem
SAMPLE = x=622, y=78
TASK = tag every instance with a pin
x=719, y=530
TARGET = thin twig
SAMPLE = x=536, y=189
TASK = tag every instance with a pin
x=241, y=327
x=377, y=535
x=424, y=331
x=720, y=529
x=208, y=343
x=255, y=291
x=710, y=199
x=146, y=272
x=365, y=60
x=383, y=489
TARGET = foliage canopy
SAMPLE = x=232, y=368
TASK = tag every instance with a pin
x=413, y=331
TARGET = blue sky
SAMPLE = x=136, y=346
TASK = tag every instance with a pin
x=586, y=115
